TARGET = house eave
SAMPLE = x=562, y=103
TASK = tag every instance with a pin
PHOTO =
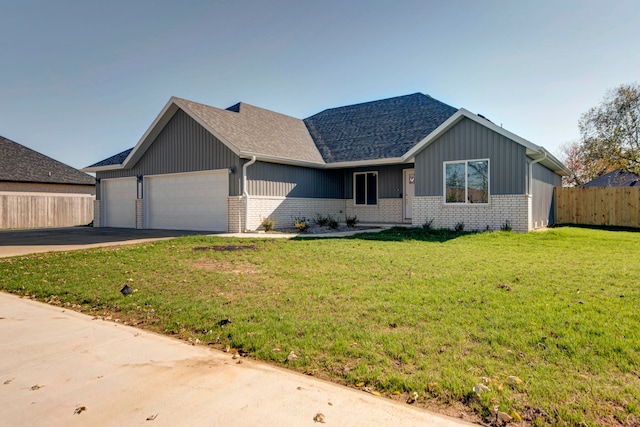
x=281, y=160
x=533, y=151
x=102, y=168
x=361, y=163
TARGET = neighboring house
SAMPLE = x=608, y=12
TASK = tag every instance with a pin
x=408, y=159
x=38, y=191
x=616, y=178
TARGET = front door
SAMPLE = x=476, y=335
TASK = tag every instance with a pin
x=409, y=192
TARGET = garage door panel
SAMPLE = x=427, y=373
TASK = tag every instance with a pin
x=119, y=201
x=188, y=201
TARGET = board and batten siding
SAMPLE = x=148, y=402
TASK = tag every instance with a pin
x=389, y=180
x=271, y=179
x=542, y=190
x=468, y=140
x=183, y=146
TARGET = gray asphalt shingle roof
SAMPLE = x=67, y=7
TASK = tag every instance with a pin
x=617, y=178
x=382, y=129
x=373, y=130
x=21, y=164
x=116, y=159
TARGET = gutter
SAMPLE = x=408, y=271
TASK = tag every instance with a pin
x=245, y=193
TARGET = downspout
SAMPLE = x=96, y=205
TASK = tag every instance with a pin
x=245, y=193
x=530, y=190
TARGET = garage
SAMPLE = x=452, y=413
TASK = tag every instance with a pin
x=119, y=201
x=188, y=201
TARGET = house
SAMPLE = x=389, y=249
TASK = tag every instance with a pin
x=38, y=191
x=616, y=178
x=408, y=159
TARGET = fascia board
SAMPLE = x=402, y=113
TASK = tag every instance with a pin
x=102, y=168
x=281, y=160
x=169, y=110
x=459, y=115
x=444, y=126
x=205, y=125
x=359, y=163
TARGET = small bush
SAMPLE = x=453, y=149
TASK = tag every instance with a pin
x=352, y=221
x=428, y=225
x=322, y=220
x=332, y=223
x=506, y=226
x=459, y=228
x=301, y=224
x=268, y=223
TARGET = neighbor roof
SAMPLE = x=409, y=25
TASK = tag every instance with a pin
x=21, y=164
x=617, y=178
x=375, y=130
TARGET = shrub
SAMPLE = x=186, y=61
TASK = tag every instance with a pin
x=506, y=226
x=301, y=224
x=459, y=228
x=321, y=220
x=352, y=221
x=332, y=223
x=428, y=225
x=268, y=223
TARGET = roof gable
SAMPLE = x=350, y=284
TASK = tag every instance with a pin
x=376, y=130
x=21, y=164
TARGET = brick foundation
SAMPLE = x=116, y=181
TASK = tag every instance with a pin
x=387, y=210
x=515, y=208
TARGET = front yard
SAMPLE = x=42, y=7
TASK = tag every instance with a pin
x=544, y=326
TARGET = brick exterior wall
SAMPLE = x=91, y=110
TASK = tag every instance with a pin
x=387, y=210
x=516, y=208
x=140, y=214
x=97, y=214
x=283, y=210
x=235, y=214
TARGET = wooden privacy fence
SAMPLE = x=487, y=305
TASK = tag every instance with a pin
x=613, y=206
x=35, y=210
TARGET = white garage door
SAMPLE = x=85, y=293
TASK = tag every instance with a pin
x=190, y=201
x=119, y=202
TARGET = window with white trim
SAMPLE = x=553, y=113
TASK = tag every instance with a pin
x=365, y=188
x=466, y=182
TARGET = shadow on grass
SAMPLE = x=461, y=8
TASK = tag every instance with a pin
x=598, y=227
x=399, y=234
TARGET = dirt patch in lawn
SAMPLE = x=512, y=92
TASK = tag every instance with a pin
x=227, y=267
x=225, y=248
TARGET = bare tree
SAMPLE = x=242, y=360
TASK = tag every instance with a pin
x=610, y=133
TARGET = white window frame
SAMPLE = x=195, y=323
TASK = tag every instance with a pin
x=466, y=183
x=366, y=189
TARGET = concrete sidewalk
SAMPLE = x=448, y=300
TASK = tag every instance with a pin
x=61, y=368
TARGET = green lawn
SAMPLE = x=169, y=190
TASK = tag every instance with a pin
x=395, y=313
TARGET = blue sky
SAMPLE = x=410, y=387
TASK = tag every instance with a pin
x=82, y=80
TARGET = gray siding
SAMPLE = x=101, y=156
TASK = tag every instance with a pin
x=542, y=204
x=271, y=179
x=183, y=146
x=468, y=140
x=389, y=180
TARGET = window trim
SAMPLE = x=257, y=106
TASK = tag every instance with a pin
x=466, y=183
x=366, y=185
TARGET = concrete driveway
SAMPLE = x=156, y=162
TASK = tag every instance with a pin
x=22, y=242
x=61, y=368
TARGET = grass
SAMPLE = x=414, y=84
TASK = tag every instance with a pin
x=397, y=312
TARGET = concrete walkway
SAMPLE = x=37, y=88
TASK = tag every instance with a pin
x=61, y=368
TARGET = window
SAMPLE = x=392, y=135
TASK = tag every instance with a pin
x=365, y=188
x=466, y=182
